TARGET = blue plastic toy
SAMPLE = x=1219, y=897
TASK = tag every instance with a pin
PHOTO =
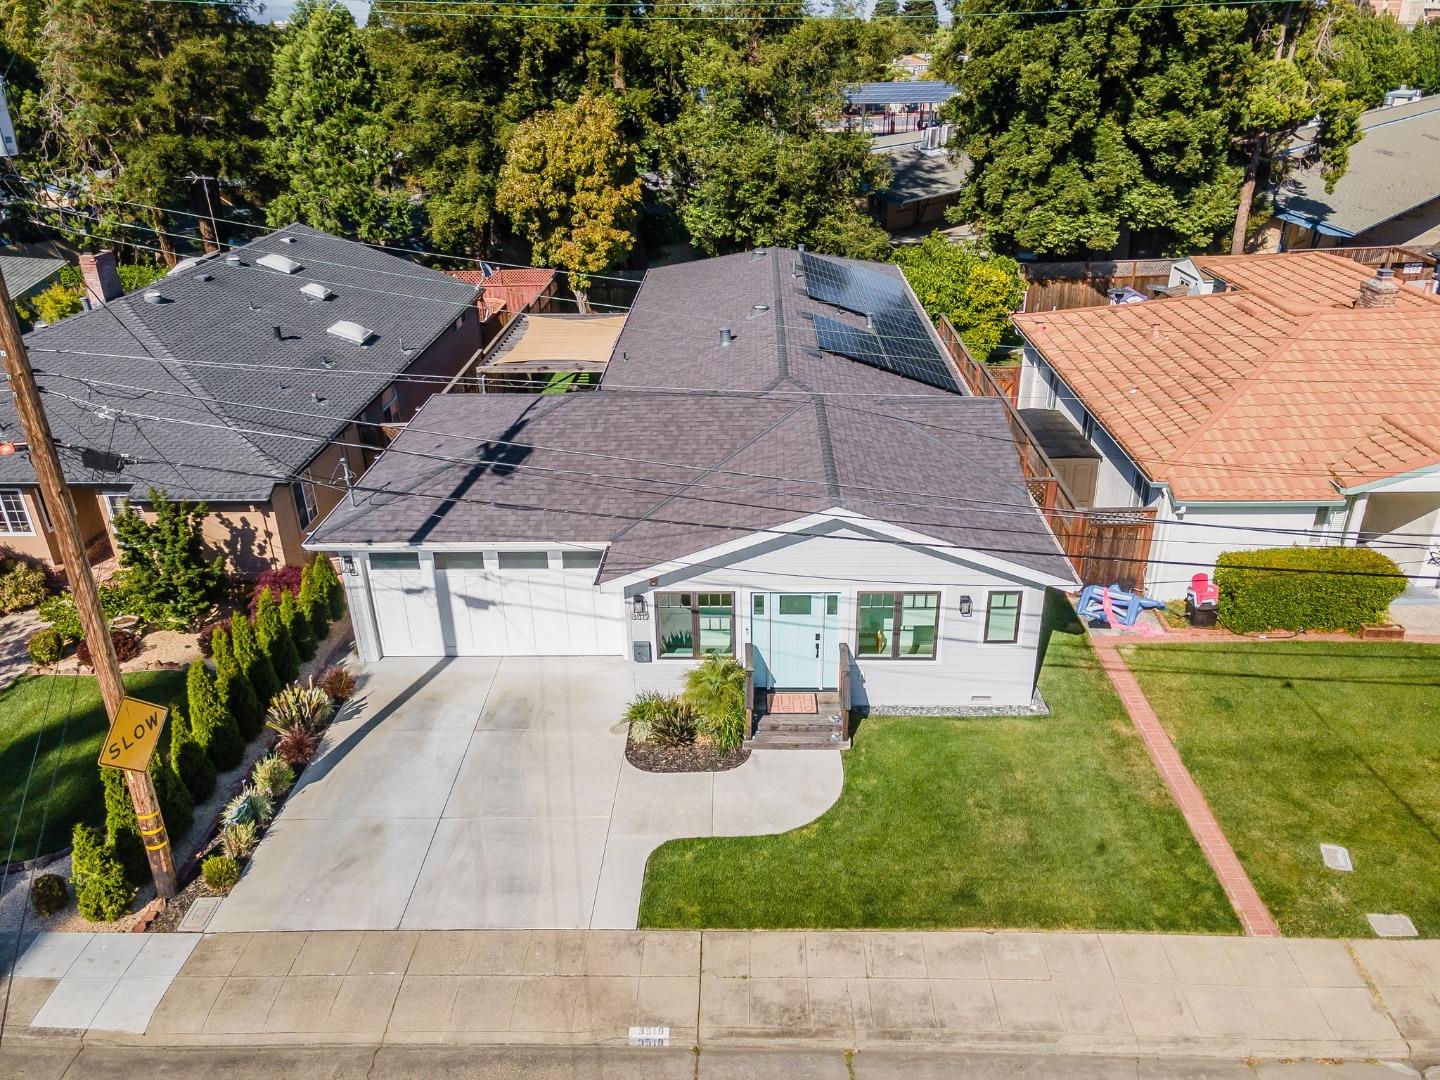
x=1126, y=605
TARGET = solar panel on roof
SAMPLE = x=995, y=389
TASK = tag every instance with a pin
x=920, y=92
x=898, y=340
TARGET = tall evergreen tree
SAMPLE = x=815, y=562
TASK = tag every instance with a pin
x=189, y=759
x=152, y=102
x=885, y=9
x=315, y=598
x=327, y=148
x=297, y=625
x=238, y=697
x=162, y=553
x=211, y=724
x=921, y=15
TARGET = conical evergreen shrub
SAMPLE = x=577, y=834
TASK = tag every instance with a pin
x=253, y=662
x=102, y=890
x=297, y=625
x=211, y=721
x=122, y=832
x=315, y=600
x=274, y=640
x=189, y=759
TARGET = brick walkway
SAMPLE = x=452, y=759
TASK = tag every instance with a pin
x=1254, y=916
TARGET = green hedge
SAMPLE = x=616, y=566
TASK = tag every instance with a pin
x=1268, y=590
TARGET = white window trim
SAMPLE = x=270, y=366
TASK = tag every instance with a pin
x=19, y=493
x=106, y=498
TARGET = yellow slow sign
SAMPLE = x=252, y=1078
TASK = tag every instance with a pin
x=134, y=733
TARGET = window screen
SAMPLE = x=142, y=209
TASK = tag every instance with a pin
x=1002, y=617
x=524, y=560
x=394, y=560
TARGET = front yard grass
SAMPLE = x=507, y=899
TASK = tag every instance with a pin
x=33, y=713
x=1296, y=744
x=1053, y=822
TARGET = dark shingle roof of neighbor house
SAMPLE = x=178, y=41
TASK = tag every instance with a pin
x=917, y=175
x=1394, y=167
x=24, y=274
x=215, y=332
x=688, y=445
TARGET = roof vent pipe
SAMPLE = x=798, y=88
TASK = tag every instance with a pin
x=726, y=337
x=276, y=331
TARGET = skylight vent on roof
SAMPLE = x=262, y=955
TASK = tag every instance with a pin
x=279, y=262
x=154, y=296
x=315, y=291
x=352, y=332
x=287, y=239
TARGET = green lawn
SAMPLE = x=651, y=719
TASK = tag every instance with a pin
x=1297, y=744
x=33, y=728
x=1055, y=821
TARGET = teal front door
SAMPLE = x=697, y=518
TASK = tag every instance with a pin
x=795, y=635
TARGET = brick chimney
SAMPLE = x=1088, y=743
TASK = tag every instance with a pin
x=1380, y=291
x=102, y=277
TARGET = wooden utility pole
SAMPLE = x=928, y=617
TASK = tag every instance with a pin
x=81, y=581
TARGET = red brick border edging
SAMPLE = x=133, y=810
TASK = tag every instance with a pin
x=1254, y=917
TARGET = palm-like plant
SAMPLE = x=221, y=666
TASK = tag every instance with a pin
x=715, y=689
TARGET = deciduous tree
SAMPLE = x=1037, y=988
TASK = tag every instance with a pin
x=568, y=186
x=975, y=290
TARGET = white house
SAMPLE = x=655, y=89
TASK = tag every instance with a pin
x=1292, y=398
x=762, y=465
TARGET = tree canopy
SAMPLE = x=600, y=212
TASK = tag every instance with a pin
x=975, y=290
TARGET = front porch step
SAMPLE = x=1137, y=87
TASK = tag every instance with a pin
x=795, y=740
x=804, y=722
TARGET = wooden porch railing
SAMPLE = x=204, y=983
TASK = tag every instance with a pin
x=749, y=690
x=1108, y=544
x=845, y=690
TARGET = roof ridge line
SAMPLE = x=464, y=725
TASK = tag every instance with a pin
x=1223, y=406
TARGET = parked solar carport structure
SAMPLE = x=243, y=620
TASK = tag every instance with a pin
x=928, y=95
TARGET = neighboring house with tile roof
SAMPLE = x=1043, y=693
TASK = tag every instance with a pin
x=252, y=380
x=508, y=292
x=1389, y=193
x=1297, y=392
x=730, y=483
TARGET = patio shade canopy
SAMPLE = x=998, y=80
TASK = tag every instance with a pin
x=560, y=338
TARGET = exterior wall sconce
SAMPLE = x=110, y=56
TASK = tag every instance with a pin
x=638, y=610
x=966, y=607
x=347, y=563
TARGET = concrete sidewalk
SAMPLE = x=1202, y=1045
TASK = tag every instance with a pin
x=1117, y=994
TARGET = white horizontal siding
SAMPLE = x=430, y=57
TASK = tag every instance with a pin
x=966, y=670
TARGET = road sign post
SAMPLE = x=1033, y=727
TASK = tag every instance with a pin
x=82, y=584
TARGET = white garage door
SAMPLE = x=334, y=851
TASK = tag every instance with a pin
x=405, y=607
x=519, y=603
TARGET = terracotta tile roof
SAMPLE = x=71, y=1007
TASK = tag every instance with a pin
x=515, y=288
x=1234, y=397
x=1300, y=281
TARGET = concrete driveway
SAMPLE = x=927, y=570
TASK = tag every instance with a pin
x=472, y=793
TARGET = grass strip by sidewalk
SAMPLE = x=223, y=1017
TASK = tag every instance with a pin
x=1298, y=743
x=1045, y=822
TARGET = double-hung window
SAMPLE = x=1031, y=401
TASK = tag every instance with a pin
x=1002, y=618
x=14, y=518
x=694, y=624
x=305, y=502
x=901, y=626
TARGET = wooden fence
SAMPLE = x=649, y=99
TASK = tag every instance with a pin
x=1105, y=544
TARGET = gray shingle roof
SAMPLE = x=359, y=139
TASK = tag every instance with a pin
x=917, y=176
x=1394, y=167
x=217, y=431
x=24, y=274
x=687, y=445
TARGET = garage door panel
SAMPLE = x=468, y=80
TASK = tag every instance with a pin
x=407, y=613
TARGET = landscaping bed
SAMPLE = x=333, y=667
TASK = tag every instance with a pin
x=1056, y=822
x=697, y=757
x=1300, y=743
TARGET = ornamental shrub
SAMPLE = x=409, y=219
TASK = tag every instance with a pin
x=673, y=722
x=206, y=640
x=715, y=689
x=22, y=585
x=59, y=610
x=210, y=722
x=251, y=806
x=329, y=583
x=101, y=888
x=176, y=805
x=45, y=647
x=221, y=873
x=315, y=600
x=189, y=759
x=297, y=626
x=338, y=682
x=237, y=693
x=297, y=748
x=253, y=661
x=279, y=580
x=122, y=832
x=125, y=644
x=1345, y=588
x=272, y=777
x=162, y=554
x=240, y=841
x=299, y=708
x=48, y=895
x=274, y=639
